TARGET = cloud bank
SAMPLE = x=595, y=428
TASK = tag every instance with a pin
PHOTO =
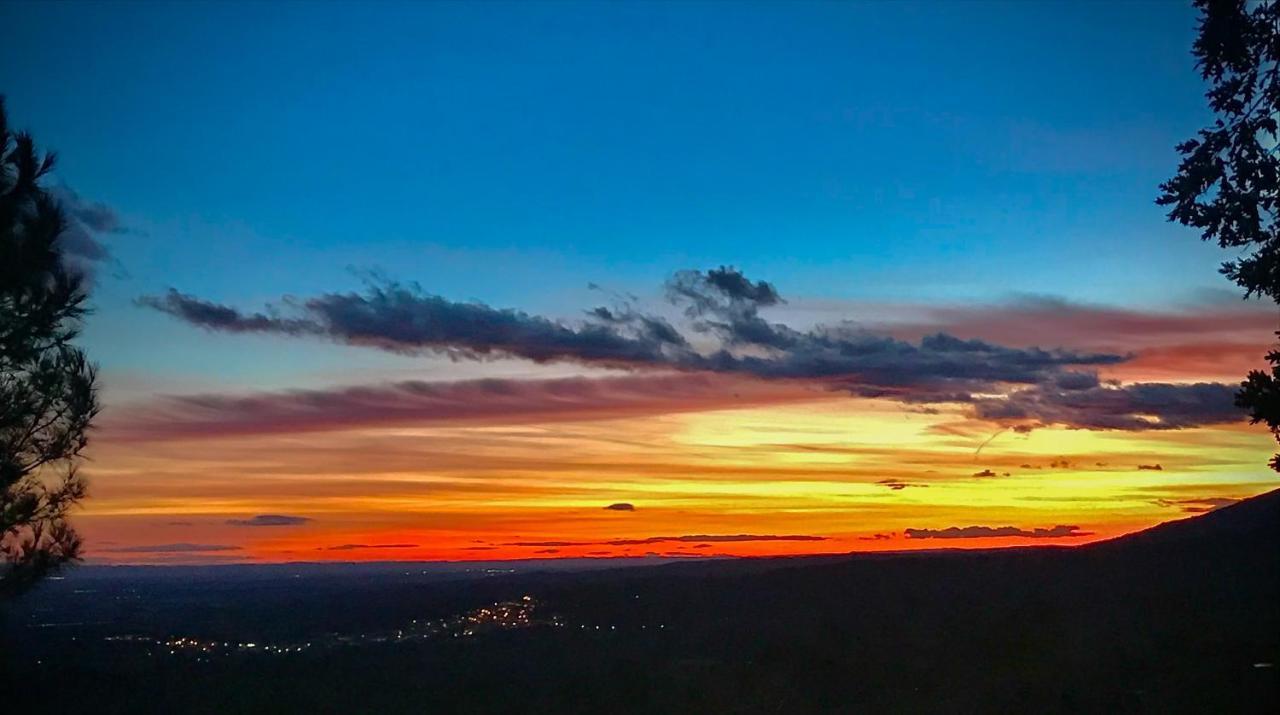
x=986, y=532
x=1021, y=387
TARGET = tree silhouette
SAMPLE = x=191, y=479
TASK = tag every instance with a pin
x=47, y=393
x=1228, y=182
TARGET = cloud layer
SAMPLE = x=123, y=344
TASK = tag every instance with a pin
x=180, y=548
x=420, y=402
x=1025, y=387
x=1088, y=404
x=1060, y=531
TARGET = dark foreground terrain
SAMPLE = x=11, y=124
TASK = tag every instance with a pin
x=1181, y=618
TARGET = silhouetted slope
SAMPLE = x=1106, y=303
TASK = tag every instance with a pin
x=1180, y=618
x=1251, y=521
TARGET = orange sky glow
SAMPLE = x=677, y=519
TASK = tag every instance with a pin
x=690, y=464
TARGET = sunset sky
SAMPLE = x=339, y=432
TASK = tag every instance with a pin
x=488, y=281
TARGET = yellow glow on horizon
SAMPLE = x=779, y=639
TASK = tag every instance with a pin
x=813, y=468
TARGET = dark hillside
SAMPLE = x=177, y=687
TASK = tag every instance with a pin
x=1181, y=618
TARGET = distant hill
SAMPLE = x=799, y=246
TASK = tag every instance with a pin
x=1180, y=618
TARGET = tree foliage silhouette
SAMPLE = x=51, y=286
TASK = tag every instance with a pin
x=1228, y=182
x=47, y=387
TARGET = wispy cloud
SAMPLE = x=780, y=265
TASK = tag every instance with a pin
x=1198, y=505
x=269, y=520
x=898, y=485
x=179, y=548
x=361, y=547
x=690, y=538
x=87, y=222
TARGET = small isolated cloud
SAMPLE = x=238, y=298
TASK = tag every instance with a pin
x=621, y=506
x=269, y=520
x=898, y=485
x=547, y=551
x=1060, y=531
x=876, y=537
x=1150, y=468
x=1199, y=505
x=358, y=547
x=180, y=548
x=985, y=473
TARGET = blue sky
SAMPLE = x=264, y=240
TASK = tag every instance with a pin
x=933, y=152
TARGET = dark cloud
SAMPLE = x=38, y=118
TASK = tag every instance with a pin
x=269, y=520
x=985, y=473
x=213, y=316
x=1198, y=505
x=1042, y=387
x=695, y=538
x=180, y=548
x=87, y=221
x=730, y=283
x=621, y=506
x=725, y=302
x=984, y=532
x=1150, y=468
x=899, y=484
x=876, y=537
x=358, y=547
x=547, y=551
x=402, y=318
x=1136, y=407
